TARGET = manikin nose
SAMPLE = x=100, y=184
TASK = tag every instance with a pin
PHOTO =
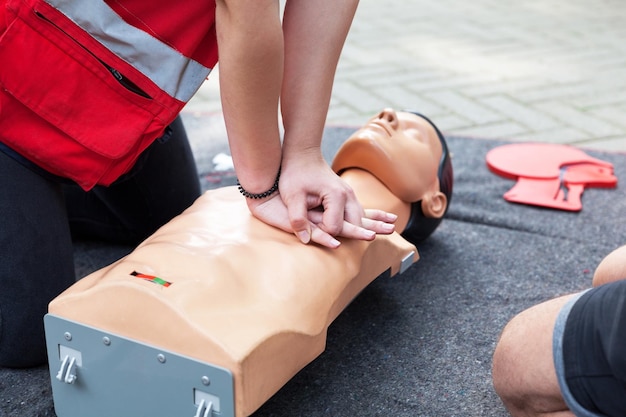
x=389, y=116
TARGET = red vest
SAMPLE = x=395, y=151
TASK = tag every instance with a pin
x=87, y=85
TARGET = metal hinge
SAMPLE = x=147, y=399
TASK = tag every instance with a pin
x=67, y=373
x=204, y=409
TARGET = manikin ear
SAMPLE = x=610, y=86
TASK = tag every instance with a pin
x=434, y=204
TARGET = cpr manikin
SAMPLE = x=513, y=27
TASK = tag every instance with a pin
x=216, y=286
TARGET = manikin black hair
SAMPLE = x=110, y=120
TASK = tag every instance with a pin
x=419, y=226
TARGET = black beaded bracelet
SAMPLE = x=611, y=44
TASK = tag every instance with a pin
x=267, y=193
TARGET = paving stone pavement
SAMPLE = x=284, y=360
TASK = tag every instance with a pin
x=536, y=70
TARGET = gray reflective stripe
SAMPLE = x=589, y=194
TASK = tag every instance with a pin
x=173, y=72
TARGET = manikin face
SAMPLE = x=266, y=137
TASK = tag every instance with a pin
x=402, y=149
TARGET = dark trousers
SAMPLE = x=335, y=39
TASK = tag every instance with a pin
x=40, y=216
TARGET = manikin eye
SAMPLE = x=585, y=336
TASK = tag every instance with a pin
x=414, y=134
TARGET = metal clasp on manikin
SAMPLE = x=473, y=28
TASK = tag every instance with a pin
x=204, y=409
x=67, y=372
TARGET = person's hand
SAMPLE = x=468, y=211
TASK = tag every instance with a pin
x=274, y=212
x=321, y=206
x=374, y=222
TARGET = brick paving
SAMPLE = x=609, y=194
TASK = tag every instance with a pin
x=535, y=70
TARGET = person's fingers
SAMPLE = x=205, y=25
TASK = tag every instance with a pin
x=352, y=231
x=297, y=209
x=333, y=215
x=380, y=215
x=349, y=230
x=322, y=238
x=353, y=211
x=377, y=226
x=377, y=221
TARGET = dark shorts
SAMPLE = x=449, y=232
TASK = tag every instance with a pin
x=590, y=351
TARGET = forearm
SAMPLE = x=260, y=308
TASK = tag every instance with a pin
x=260, y=62
x=315, y=32
x=251, y=49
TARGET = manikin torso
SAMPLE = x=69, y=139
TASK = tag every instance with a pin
x=243, y=295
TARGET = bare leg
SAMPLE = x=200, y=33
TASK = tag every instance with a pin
x=612, y=268
x=523, y=371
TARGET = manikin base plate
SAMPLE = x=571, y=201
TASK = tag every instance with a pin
x=99, y=374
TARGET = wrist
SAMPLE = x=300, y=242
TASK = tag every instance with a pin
x=263, y=194
x=301, y=157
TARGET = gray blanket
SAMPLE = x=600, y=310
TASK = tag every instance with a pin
x=420, y=343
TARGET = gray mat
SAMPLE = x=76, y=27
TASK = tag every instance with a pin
x=419, y=344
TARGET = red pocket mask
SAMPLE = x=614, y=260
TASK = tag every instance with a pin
x=549, y=175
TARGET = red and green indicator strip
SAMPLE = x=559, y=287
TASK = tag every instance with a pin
x=151, y=278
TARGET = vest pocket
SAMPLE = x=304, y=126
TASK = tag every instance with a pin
x=68, y=86
x=76, y=85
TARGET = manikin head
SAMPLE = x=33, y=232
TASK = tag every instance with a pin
x=408, y=154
